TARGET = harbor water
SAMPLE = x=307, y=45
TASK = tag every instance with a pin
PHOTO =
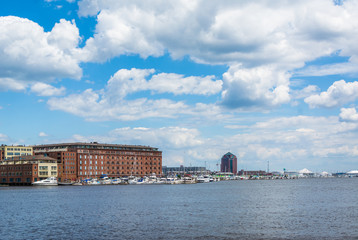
x=258, y=209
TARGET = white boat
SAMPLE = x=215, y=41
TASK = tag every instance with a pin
x=203, y=179
x=174, y=180
x=50, y=181
x=160, y=181
x=116, y=181
x=132, y=180
x=104, y=180
x=94, y=181
x=65, y=183
x=189, y=180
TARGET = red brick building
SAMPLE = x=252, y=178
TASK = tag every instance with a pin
x=91, y=160
x=25, y=170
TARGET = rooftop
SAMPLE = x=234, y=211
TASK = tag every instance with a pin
x=28, y=159
x=95, y=145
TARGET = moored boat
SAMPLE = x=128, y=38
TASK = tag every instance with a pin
x=50, y=181
x=65, y=183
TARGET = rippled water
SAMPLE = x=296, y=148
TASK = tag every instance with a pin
x=271, y=209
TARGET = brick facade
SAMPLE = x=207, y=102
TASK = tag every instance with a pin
x=91, y=160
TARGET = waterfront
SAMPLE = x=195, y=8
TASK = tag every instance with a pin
x=314, y=208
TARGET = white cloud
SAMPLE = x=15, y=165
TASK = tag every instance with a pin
x=10, y=84
x=27, y=53
x=178, y=84
x=218, y=32
x=42, y=134
x=4, y=138
x=348, y=114
x=329, y=69
x=126, y=81
x=336, y=95
x=305, y=92
x=43, y=89
x=262, y=51
x=110, y=103
x=96, y=107
x=257, y=87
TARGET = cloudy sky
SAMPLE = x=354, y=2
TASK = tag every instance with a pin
x=270, y=81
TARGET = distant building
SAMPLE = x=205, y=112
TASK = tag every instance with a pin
x=182, y=169
x=24, y=170
x=229, y=163
x=8, y=152
x=242, y=172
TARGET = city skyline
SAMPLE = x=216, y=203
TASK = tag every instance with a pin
x=265, y=81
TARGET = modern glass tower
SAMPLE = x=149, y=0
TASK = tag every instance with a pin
x=229, y=163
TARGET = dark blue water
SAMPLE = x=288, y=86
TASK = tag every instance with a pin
x=268, y=209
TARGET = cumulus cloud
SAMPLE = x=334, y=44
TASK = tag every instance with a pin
x=96, y=107
x=27, y=53
x=257, y=87
x=339, y=93
x=286, y=33
x=125, y=82
x=46, y=90
x=110, y=103
x=349, y=114
x=10, y=84
x=261, y=52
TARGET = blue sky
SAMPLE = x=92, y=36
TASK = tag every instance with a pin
x=268, y=82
